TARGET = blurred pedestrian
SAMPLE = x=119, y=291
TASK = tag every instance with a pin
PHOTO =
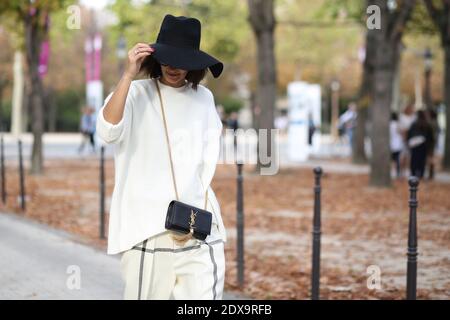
x=432, y=119
x=281, y=122
x=420, y=140
x=347, y=122
x=87, y=128
x=396, y=142
x=221, y=111
x=232, y=121
x=405, y=120
x=311, y=129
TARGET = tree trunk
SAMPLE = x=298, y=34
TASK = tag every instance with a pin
x=262, y=20
x=441, y=18
x=446, y=158
x=386, y=58
x=359, y=151
x=365, y=96
x=387, y=42
x=52, y=111
x=3, y=83
x=48, y=110
x=254, y=110
x=266, y=93
x=33, y=41
x=25, y=109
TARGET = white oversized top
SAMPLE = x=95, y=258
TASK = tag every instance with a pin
x=143, y=183
x=396, y=138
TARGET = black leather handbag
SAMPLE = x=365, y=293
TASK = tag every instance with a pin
x=187, y=219
x=184, y=220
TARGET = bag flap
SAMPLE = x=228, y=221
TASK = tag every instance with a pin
x=179, y=217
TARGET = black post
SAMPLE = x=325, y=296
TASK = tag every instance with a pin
x=102, y=192
x=2, y=164
x=411, y=278
x=427, y=98
x=240, y=227
x=21, y=174
x=315, y=276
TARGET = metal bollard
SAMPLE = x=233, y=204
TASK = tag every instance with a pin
x=315, y=276
x=411, y=277
x=240, y=227
x=102, y=192
x=2, y=164
x=22, y=177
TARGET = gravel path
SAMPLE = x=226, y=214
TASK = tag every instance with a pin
x=38, y=262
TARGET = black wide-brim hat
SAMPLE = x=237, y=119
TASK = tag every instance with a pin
x=178, y=45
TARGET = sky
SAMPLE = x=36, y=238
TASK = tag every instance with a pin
x=97, y=4
x=100, y=4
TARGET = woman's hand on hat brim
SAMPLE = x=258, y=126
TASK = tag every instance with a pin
x=135, y=57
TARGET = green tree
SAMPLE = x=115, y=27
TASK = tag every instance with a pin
x=386, y=47
x=439, y=12
x=382, y=59
x=32, y=15
x=356, y=11
x=262, y=21
x=230, y=104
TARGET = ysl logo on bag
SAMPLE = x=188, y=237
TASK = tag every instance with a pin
x=192, y=222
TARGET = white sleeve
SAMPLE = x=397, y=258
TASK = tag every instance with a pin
x=114, y=133
x=212, y=146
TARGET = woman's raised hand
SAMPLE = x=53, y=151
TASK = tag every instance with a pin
x=136, y=56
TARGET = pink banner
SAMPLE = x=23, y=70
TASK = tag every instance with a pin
x=43, y=58
x=88, y=59
x=45, y=50
x=93, y=50
x=97, y=56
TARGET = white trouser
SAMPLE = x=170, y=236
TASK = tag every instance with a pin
x=159, y=268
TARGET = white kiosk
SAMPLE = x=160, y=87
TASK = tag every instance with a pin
x=304, y=101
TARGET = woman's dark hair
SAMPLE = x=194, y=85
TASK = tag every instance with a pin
x=421, y=115
x=421, y=121
x=394, y=116
x=432, y=114
x=152, y=69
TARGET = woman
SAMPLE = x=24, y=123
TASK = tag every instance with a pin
x=87, y=128
x=153, y=264
x=433, y=121
x=405, y=120
x=396, y=142
x=420, y=140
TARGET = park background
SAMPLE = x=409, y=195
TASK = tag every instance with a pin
x=265, y=45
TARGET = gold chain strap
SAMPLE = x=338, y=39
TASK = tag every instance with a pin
x=179, y=238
